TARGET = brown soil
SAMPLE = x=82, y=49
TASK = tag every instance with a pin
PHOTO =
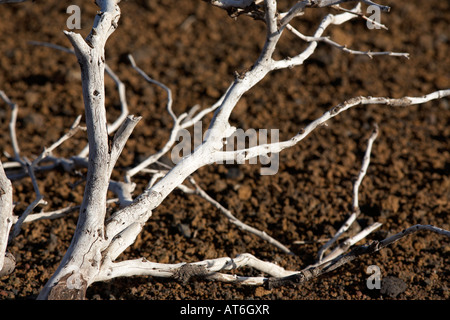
x=195, y=49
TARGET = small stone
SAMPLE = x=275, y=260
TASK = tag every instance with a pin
x=392, y=203
x=185, y=230
x=392, y=286
x=244, y=192
x=234, y=173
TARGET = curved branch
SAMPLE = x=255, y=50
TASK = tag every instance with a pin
x=78, y=265
x=264, y=149
x=278, y=276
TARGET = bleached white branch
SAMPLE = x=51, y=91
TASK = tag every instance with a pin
x=103, y=153
x=344, y=48
x=12, y=125
x=17, y=226
x=277, y=276
x=124, y=239
x=6, y=216
x=48, y=151
x=124, y=112
x=263, y=149
x=296, y=10
x=121, y=88
x=332, y=3
x=362, y=16
x=97, y=244
x=263, y=235
x=183, y=271
x=416, y=228
x=210, y=150
x=38, y=201
x=363, y=171
x=355, y=210
x=344, y=246
x=176, y=124
x=55, y=214
x=314, y=271
x=159, y=84
x=123, y=190
x=330, y=19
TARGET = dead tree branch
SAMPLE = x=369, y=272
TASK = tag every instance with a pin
x=369, y=248
x=6, y=222
x=98, y=241
x=75, y=270
x=355, y=208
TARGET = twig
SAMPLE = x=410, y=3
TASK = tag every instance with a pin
x=6, y=213
x=39, y=200
x=360, y=14
x=176, y=123
x=111, y=127
x=263, y=235
x=12, y=125
x=332, y=3
x=226, y=4
x=310, y=241
x=279, y=146
x=60, y=213
x=355, y=210
x=344, y=48
x=206, y=268
x=159, y=84
x=48, y=151
x=374, y=246
x=344, y=246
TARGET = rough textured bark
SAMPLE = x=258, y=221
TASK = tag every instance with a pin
x=83, y=258
x=7, y=261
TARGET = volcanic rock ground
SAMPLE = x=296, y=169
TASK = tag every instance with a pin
x=195, y=49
